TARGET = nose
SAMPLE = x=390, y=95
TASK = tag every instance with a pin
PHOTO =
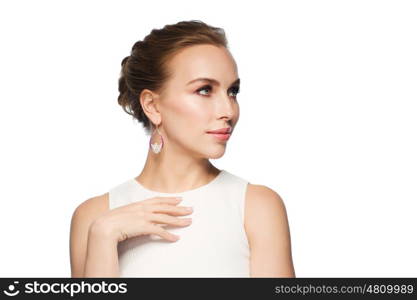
x=226, y=106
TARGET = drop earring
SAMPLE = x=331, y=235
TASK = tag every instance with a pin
x=156, y=147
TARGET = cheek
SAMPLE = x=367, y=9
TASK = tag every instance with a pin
x=191, y=112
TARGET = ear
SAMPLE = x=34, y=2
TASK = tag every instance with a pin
x=149, y=102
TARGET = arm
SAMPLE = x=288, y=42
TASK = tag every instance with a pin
x=102, y=256
x=92, y=254
x=266, y=225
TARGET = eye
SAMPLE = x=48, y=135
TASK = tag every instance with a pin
x=206, y=87
x=235, y=90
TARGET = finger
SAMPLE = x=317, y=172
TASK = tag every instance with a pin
x=161, y=224
x=169, y=209
x=158, y=230
x=166, y=219
x=163, y=200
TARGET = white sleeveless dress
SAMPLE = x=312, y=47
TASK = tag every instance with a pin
x=214, y=245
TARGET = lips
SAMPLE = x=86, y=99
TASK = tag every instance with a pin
x=220, y=136
x=221, y=131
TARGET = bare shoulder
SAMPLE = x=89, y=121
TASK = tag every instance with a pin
x=94, y=205
x=87, y=211
x=261, y=197
x=263, y=191
x=263, y=207
x=268, y=233
x=82, y=218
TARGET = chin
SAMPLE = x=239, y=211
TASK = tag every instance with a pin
x=216, y=154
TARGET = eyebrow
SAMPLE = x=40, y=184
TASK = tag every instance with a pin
x=212, y=81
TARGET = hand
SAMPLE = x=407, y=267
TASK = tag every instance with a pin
x=143, y=217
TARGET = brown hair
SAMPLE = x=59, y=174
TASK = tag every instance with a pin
x=146, y=67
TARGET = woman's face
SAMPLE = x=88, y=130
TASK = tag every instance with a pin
x=190, y=107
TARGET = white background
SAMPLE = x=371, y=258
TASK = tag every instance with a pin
x=328, y=120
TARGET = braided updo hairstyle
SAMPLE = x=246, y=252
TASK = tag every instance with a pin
x=146, y=66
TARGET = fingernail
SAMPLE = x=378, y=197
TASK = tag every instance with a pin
x=189, y=208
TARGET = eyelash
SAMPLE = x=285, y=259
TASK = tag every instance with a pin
x=208, y=87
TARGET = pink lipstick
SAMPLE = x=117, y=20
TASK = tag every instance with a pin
x=222, y=134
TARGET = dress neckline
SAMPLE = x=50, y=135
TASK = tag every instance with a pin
x=214, y=180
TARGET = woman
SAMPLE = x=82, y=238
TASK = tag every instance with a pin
x=181, y=83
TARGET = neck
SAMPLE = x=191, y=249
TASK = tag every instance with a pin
x=171, y=172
